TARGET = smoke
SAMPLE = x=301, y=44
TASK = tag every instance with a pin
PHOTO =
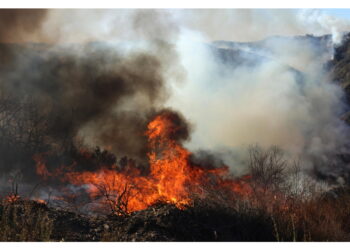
x=277, y=93
x=318, y=22
x=100, y=75
x=241, y=25
x=19, y=25
x=95, y=93
x=244, y=25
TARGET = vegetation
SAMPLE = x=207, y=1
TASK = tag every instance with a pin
x=24, y=221
x=284, y=206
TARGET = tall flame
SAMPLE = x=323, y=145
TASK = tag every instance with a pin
x=172, y=178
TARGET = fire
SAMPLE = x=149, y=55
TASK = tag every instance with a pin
x=170, y=168
x=40, y=201
x=12, y=198
x=41, y=166
x=172, y=178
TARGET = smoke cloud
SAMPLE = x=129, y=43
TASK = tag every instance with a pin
x=245, y=25
x=277, y=93
x=20, y=25
x=100, y=75
x=91, y=93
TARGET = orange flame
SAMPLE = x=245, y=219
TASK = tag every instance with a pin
x=41, y=166
x=172, y=179
x=12, y=198
x=40, y=201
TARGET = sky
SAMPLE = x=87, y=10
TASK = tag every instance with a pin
x=340, y=13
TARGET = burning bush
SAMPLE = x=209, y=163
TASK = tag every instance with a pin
x=171, y=178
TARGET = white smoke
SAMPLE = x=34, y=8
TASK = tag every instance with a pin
x=319, y=23
x=86, y=25
x=267, y=103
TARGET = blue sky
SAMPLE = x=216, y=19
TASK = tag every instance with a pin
x=342, y=13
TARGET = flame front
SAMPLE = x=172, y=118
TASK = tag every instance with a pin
x=169, y=163
x=172, y=178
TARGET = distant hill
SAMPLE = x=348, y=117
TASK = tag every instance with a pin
x=340, y=65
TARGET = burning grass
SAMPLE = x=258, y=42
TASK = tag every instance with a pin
x=175, y=199
x=172, y=178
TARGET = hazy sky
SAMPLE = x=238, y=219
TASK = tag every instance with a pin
x=340, y=13
x=84, y=25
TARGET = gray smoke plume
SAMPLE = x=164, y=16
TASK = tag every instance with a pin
x=90, y=93
x=99, y=75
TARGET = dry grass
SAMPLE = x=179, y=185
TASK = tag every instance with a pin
x=24, y=221
x=299, y=208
